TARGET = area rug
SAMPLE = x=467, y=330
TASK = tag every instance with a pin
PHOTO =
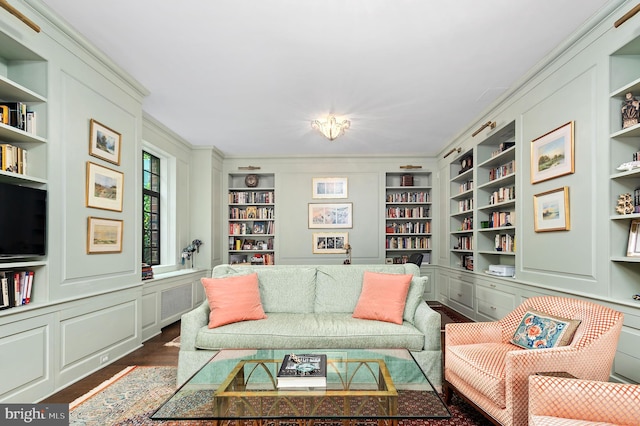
x=175, y=342
x=132, y=395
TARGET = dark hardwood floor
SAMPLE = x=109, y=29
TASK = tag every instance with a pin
x=153, y=352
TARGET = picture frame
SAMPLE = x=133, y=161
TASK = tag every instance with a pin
x=104, y=188
x=104, y=235
x=551, y=210
x=552, y=154
x=330, y=242
x=338, y=215
x=104, y=143
x=330, y=187
x=633, y=246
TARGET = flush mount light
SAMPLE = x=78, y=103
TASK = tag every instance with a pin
x=330, y=127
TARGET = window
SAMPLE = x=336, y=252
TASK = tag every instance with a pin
x=150, y=209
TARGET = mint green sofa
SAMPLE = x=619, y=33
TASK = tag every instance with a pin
x=310, y=307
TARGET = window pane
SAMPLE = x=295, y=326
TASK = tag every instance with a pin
x=151, y=208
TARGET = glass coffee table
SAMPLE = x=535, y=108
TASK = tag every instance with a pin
x=377, y=384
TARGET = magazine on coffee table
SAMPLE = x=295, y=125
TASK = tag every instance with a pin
x=302, y=371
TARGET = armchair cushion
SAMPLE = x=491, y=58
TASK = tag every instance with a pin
x=538, y=330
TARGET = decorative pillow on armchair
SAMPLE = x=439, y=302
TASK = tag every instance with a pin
x=383, y=297
x=233, y=299
x=538, y=330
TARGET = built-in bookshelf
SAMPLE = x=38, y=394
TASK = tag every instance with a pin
x=461, y=217
x=624, y=144
x=408, y=216
x=496, y=199
x=251, y=219
x=23, y=83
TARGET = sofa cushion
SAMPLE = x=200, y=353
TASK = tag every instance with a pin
x=338, y=287
x=538, y=330
x=288, y=290
x=481, y=366
x=383, y=297
x=304, y=331
x=233, y=299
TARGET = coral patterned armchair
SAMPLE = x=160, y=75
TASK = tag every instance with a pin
x=561, y=401
x=484, y=367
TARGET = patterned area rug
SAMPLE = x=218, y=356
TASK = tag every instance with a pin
x=130, y=397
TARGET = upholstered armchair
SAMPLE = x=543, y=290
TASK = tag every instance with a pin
x=555, y=400
x=485, y=368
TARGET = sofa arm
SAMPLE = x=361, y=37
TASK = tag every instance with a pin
x=469, y=333
x=191, y=323
x=428, y=322
x=585, y=400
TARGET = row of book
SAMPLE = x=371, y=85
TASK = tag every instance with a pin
x=15, y=114
x=396, y=260
x=505, y=243
x=393, y=243
x=499, y=219
x=15, y=288
x=464, y=243
x=256, y=259
x=408, y=212
x=251, y=212
x=636, y=200
x=503, y=194
x=465, y=205
x=409, y=197
x=466, y=186
x=502, y=148
x=502, y=171
x=238, y=244
x=257, y=227
x=147, y=271
x=422, y=227
x=13, y=159
x=249, y=197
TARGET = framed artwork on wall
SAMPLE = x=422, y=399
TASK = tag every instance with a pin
x=551, y=210
x=330, y=187
x=552, y=154
x=104, y=142
x=104, y=187
x=633, y=246
x=104, y=235
x=338, y=215
x=330, y=242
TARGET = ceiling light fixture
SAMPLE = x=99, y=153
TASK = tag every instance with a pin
x=330, y=127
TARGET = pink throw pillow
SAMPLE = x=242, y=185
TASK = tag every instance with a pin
x=383, y=297
x=233, y=299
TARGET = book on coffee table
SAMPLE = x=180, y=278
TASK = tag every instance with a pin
x=303, y=371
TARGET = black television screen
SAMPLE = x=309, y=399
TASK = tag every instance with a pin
x=23, y=221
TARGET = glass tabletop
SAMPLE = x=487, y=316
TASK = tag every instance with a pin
x=360, y=384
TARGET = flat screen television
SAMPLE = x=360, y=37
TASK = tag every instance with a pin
x=23, y=221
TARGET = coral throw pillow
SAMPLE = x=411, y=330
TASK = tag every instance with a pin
x=383, y=297
x=538, y=330
x=233, y=299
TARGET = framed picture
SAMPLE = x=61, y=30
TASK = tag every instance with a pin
x=330, y=187
x=633, y=247
x=551, y=210
x=330, y=242
x=104, y=235
x=104, y=187
x=331, y=215
x=104, y=142
x=552, y=154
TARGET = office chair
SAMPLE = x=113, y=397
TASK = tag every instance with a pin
x=415, y=258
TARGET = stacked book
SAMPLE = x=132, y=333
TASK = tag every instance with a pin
x=147, y=271
x=15, y=288
x=303, y=371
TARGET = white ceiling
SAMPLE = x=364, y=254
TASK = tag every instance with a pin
x=248, y=76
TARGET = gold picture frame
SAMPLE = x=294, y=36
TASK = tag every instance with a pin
x=633, y=246
x=104, y=142
x=104, y=235
x=551, y=210
x=104, y=187
x=552, y=154
x=330, y=242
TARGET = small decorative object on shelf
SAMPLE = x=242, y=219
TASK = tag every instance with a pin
x=630, y=111
x=347, y=247
x=406, y=180
x=625, y=204
x=636, y=296
x=629, y=165
x=188, y=251
x=251, y=180
x=466, y=163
